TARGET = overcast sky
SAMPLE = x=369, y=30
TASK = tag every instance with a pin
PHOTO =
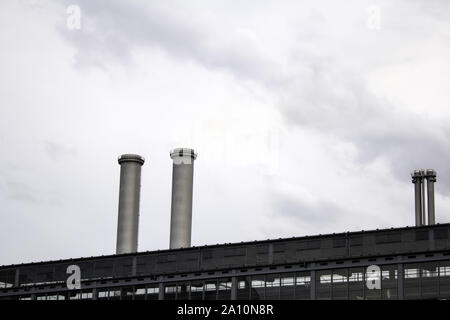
x=308, y=117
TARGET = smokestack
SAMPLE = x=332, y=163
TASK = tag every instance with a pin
x=182, y=185
x=431, y=179
x=129, y=195
x=418, y=178
x=422, y=181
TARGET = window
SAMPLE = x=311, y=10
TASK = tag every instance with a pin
x=356, y=241
x=127, y=293
x=179, y=292
x=152, y=292
x=421, y=235
x=272, y=286
x=139, y=293
x=303, y=285
x=224, y=289
x=323, y=284
x=170, y=291
x=444, y=279
x=339, y=242
x=211, y=289
x=243, y=289
x=430, y=280
x=388, y=238
x=287, y=286
x=258, y=285
x=339, y=288
x=389, y=283
x=440, y=233
x=411, y=281
x=197, y=288
x=356, y=283
x=7, y=278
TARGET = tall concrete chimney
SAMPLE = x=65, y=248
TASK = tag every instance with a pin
x=129, y=196
x=182, y=185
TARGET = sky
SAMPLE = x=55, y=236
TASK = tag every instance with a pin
x=308, y=117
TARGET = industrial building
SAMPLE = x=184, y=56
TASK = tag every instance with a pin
x=388, y=264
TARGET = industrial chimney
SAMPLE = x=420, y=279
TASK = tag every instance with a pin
x=431, y=179
x=418, y=178
x=129, y=195
x=182, y=185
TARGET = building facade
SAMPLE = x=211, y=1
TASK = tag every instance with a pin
x=392, y=264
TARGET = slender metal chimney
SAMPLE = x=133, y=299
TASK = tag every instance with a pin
x=422, y=182
x=417, y=180
x=182, y=186
x=431, y=179
x=129, y=196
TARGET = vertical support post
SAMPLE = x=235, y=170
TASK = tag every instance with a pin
x=313, y=284
x=400, y=290
x=161, y=291
x=17, y=278
x=133, y=268
x=94, y=294
x=233, y=288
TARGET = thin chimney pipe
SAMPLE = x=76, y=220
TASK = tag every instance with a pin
x=417, y=180
x=431, y=179
x=422, y=201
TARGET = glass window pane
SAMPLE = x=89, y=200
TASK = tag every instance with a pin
x=444, y=279
x=389, y=282
x=339, y=288
x=243, y=290
x=139, y=293
x=257, y=287
x=323, y=284
x=430, y=280
x=287, y=288
x=211, y=289
x=303, y=285
x=356, y=283
x=272, y=286
x=197, y=290
x=152, y=292
x=224, y=289
x=170, y=291
x=411, y=281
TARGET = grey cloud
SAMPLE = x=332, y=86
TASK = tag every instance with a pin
x=57, y=151
x=16, y=190
x=112, y=29
x=373, y=125
x=324, y=212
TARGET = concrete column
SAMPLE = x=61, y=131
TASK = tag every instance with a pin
x=182, y=189
x=129, y=197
